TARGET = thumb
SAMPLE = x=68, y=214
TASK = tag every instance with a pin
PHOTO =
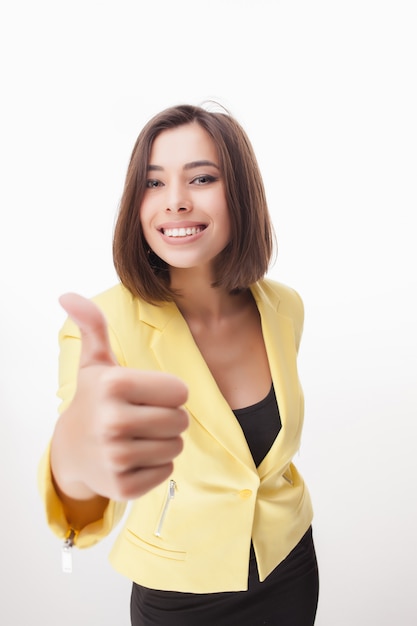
x=93, y=327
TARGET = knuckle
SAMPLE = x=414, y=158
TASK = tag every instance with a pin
x=117, y=459
x=111, y=381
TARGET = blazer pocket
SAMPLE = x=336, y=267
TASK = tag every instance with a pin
x=167, y=553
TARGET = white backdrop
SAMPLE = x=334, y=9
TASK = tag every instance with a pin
x=327, y=93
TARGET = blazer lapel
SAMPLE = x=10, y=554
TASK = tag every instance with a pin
x=176, y=352
x=278, y=333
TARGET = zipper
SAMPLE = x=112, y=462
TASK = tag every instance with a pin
x=170, y=496
x=66, y=552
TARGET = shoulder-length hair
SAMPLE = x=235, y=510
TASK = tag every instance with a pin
x=246, y=258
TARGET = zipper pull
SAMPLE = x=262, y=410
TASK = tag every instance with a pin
x=171, y=491
x=66, y=552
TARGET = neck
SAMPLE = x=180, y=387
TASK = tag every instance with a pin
x=197, y=299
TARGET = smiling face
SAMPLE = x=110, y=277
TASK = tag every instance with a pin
x=184, y=214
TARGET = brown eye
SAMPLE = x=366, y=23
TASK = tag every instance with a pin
x=153, y=184
x=204, y=180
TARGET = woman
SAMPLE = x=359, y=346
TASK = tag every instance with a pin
x=219, y=530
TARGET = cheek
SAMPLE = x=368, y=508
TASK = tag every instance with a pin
x=224, y=219
x=144, y=215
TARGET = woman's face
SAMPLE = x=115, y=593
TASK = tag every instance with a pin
x=184, y=214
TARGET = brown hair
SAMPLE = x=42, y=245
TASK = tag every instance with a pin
x=246, y=258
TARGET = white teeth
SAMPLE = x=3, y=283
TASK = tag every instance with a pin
x=181, y=232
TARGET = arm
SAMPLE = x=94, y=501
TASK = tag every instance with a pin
x=117, y=437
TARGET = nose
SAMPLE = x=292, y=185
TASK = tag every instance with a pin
x=177, y=198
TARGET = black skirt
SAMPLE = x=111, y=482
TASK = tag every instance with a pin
x=288, y=597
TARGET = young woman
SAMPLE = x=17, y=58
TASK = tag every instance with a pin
x=219, y=529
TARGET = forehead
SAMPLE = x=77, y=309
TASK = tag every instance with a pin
x=183, y=144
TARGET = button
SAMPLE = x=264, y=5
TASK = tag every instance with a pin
x=245, y=494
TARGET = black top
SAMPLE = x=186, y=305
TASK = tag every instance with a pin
x=261, y=424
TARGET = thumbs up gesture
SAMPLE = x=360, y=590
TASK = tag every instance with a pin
x=121, y=432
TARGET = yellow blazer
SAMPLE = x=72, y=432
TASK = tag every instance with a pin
x=193, y=533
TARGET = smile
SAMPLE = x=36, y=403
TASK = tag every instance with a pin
x=182, y=232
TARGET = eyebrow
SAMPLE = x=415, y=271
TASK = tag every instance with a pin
x=188, y=166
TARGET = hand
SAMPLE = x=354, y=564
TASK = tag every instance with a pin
x=121, y=432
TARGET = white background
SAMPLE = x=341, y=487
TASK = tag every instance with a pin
x=327, y=93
